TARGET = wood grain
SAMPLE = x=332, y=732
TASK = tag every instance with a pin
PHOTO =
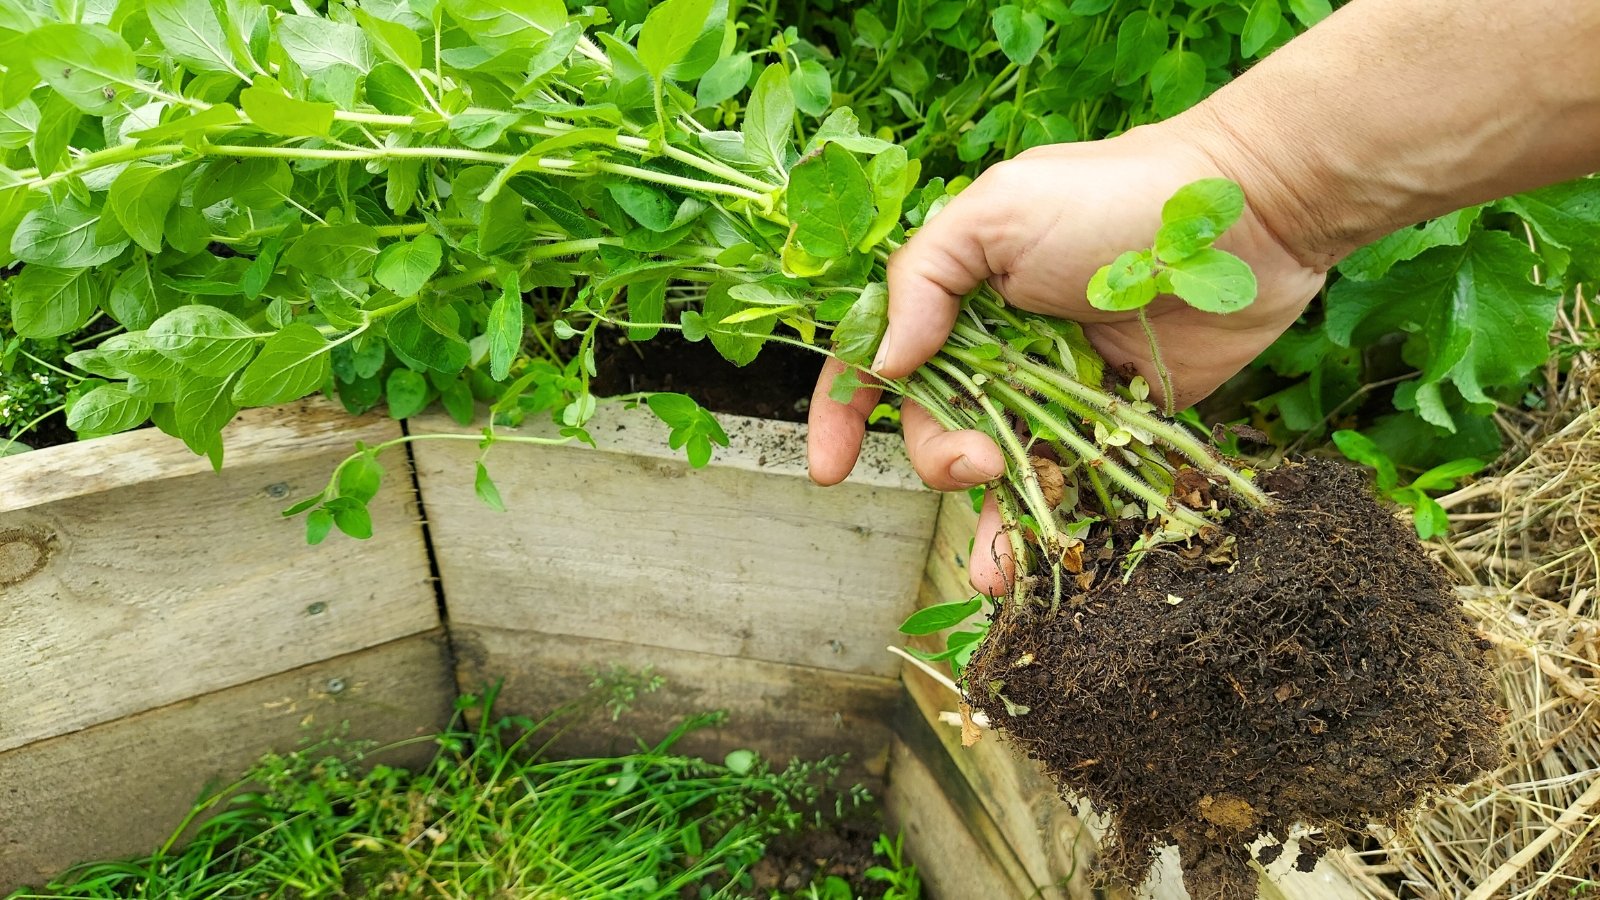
x=747, y=558
x=122, y=788
x=781, y=711
x=138, y=577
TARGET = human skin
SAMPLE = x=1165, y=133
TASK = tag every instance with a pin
x=1387, y=113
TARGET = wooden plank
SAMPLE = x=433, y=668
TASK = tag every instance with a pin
x=781, y=711
x=121, y=788
x=949, y=837
x=168, y=580
x=746, y=558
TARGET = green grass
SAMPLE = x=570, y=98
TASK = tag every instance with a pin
x=490, y=817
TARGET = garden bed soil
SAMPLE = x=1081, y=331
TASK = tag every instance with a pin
x=776, y=385
x=843, y=849
x=1312, y=666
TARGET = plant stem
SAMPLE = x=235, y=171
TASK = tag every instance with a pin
x=1155, y=357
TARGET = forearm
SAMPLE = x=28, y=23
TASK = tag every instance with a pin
x=1395, y=111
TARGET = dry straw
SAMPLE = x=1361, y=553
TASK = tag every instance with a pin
x=1528, y=546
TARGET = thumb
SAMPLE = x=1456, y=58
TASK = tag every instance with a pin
x=941, y=263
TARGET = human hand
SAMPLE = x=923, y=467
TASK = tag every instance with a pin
x=1036, y=228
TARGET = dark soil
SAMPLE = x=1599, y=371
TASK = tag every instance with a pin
x=1318, y=671
x=843, y=849
x=777, y=385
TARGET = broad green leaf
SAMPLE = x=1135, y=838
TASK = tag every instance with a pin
x=126, y=355
x=351, y=517
x=217, y=116
x=108, y=409
x=64, y=236
x=724, y=80
x=893, y=178
x=830, y=202
x=1430, y=519
x=1129, y=282
x=1310, y=12
x=47, y=303
x=18, y=124
x=501, y=25
x=1443, y=477
x=251, y=183
x=274, y=111
x=1377, y=258
x=335, y=251
x=484, y=487
x=192, y=34
x=1196, y=215
x=1020, y=32
x=1141, y=40
x=1473, y=312
x=669, y=31
x=647, y=302
x=361, y=477
x=1177, y=81
x=203, y=408
x=813, y=88
x=644, y=203
x=858, y=334
x=141, y=197
x=769, y=120
x=738, y=343
x=405, y=266
x=407, y=393
x=505, y=328
x=317, y=44
x=763, y=294
x=393, y=39
x=205, y=339
x=292, y=363
x=1567, y=216
x=934, y=619
x=318, y=525
x=1359, y=448
x=1260, y=26
x=90, y=65
x=1213, y=281
x=136, y=300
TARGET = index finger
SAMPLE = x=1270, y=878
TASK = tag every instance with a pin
x=834, y=430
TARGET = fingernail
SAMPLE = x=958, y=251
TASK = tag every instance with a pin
x=883, y=354
x=968, y=473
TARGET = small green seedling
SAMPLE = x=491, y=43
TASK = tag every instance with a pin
x=1428, y=516
x=1183, y=263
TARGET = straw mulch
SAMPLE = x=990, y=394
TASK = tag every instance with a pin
x=1527, y=542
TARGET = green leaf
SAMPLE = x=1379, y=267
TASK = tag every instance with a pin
x=740, y=762
x=769, y=120
x=812, y=87
x=89, y=65
x=63, y=235
x=1377, y=258
x=1141, y=40
x=317, y=44
x=1475, y=316
x=858, y=334
x=830, y=202
x=1129, y=282
x=934, y=619
x=1430, y=519
x=1310, y=12
x=361, y=477
x=204, y=407
x=351, y=517
x=141, y=197
x=501, y=25
x=1443, y=477
x=318, y=525
x=192, y=34
x=1359, y=448
x=505, y=328
x=647, y=302
x=669, y=31
x=47, y=303
x=126, y=355
x=405, y=266
x=1196, y=215
x=274, y=111
x=206, y=340
x=644, y=203
x=484, y=487
x=1213, y=281
x=1260, y=26
x=217, y=116
x=1177, y=81
x=394, y=40
x=893, y=177
x=738, y=343
x=407, y=393
x=292, y=363
x=1021, y=33
x=724, y=80
x=340, y=252
x=108, y=409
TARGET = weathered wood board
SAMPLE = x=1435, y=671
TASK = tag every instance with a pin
x=122, y=788
x=134, y=576
x=782, y=711
x=747, y=558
